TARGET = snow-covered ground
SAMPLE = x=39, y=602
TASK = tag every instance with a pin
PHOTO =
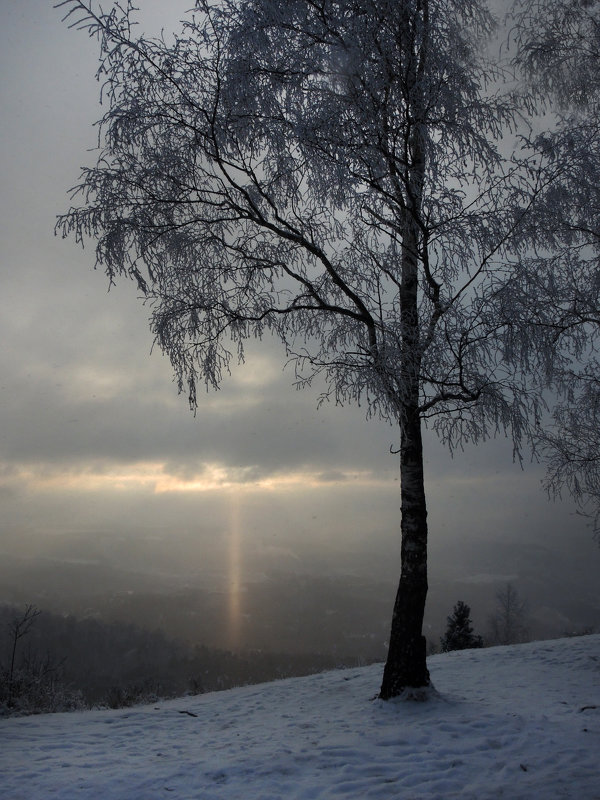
x=519, y=722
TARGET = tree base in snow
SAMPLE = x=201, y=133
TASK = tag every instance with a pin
x=417, y=694
x=406, y=667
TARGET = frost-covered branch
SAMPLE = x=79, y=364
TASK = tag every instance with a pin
x=556, y=288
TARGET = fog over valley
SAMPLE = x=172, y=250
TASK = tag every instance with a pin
x=287, y=590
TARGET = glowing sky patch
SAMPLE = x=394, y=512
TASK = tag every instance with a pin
x=157, y=478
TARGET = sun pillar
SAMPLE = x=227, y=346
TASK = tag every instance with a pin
x=234, y=577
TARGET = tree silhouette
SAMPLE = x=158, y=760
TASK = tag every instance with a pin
x=18, y=628
x=508, y=623
x=558, y=52
x=335, y=174
x=459, y=631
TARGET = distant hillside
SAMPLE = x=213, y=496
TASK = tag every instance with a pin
x=62, y=662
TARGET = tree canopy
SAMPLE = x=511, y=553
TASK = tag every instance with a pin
x=261, y=172
x=557, y=288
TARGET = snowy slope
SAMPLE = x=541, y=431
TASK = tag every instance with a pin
x=518, y=722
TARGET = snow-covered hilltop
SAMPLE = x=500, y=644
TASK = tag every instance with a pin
x=520, y=722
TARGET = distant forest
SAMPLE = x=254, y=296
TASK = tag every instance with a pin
x=50, y=662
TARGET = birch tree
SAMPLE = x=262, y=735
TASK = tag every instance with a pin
x=329, y=172
x=557, y=48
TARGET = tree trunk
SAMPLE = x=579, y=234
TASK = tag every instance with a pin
x=406, y=661
x=406, y=666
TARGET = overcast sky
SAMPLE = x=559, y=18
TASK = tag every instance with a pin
x=93, y=436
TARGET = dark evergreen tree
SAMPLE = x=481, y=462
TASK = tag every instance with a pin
x=459, y=632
